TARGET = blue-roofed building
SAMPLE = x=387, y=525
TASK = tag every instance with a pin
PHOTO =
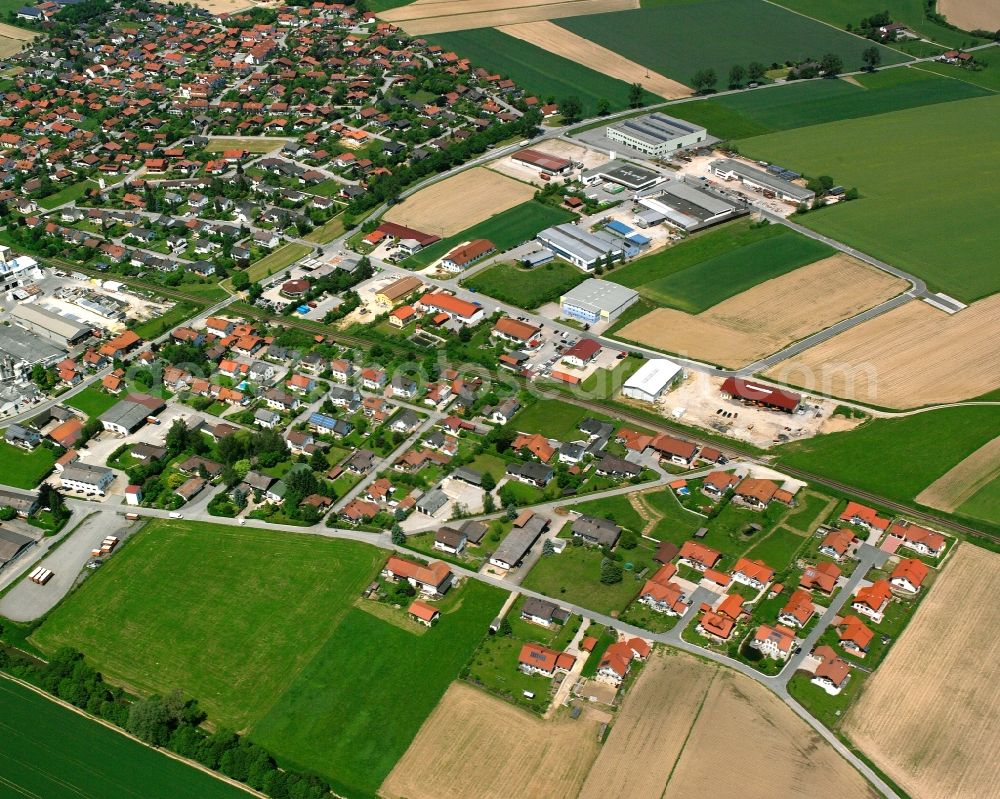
x=618, y=227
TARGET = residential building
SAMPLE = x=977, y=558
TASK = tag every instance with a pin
x=872, y=600
x=86, y=478
x=774, y=642
x=434, y=579
x=909, y=575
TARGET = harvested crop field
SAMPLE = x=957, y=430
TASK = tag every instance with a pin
x=583, y=51
x=451, y=206
x=960, y=483
x=682, y=710
x=971, y=15
x=441, y=16
x=474, y=746
x=769, y=316
x=650, y=729
x=929, y=715
x=765, y=745
x=874, y=362
x=227, y=6
x=13, y=39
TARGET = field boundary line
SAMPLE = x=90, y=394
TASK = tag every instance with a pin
x=173, y=755
x=694, y=721
x=951, y=77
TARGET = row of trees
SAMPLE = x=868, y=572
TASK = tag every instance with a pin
x=169, y=722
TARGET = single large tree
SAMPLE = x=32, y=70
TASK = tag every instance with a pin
x=737, y=74
x=704, y=80
x=756, y=72
x=831, y=64
x=635, y=95
x=571, y=109
x=872, y=57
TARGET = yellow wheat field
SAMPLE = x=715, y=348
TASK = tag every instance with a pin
x=421, y=18
x=930, y=715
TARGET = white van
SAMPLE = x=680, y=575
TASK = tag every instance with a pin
x=175, y=515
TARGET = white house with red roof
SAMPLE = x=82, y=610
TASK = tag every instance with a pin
x=774, y=642
x=909, y=575
x=917, y=538
x=872, y=600
x=433, y=579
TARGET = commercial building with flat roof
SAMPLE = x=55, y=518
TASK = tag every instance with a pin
x=551, y=164
x=597, y=300
x=131, y=413
x=684, y=206
x=651, y=379
x=56, y=328
x=759, y=180
x=579, y=246
x=631, y=176
x=656, y=134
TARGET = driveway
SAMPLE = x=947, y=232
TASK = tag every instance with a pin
x=27, y=601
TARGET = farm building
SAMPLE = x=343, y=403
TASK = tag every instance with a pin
x=579, y=246
x=656, y=134
x=397, y=290
x=413, y=239
x=581, y=353
x=11, y=545
x=52, y=326
x=682, y=206
x=597, y=301
x=757, y=394
x=549, y=164
x=761, y=181
x=87, y=478
x=461, y=257
x=527, y=528
x=23, y=502
x=652, y=379
x=622, y=173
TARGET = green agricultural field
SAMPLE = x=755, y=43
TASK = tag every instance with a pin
x=270, y=642
x=277, y=260
x=507, y=229
x=356, y=707
x=47, y=750
x=704, y=271
x=799, y=104
x=23, y=469
x=842, y=13
x=537, y=71
x=984, y=504
x=890, y=456
x=930, y=209
x=679, y=38
x=988, y=77
x=92, y=401
x=526, y=288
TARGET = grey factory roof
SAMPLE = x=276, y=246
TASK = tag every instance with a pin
x=762, y=178
x=577, y=241
x=689, y=200
x=658, y=128
x=516, y=545
x=60, y=325
x=599, y=295
x=630, y=175
x=85, y=473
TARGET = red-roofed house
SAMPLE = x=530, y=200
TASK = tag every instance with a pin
x=837, y=543
x=855, y=636
x=917, y=538
x=462, y=257
x=754, y=573
x=909, y=575
x=863, y=516
x=698, y=556
x=873, y=600
x=538, y=659
x=424, y=613
x=798, y=609
x=581, y=353
x=663, y=595
x=715, y=625
x=774, y=642
x=832, y=673
x=434, y=578
x=465, y=312
x=615, y=662
x=821, y=577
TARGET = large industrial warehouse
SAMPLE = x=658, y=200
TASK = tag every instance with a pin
x=597, y=300
x=682, y=206
x=657, y=134
x=56, y=328
x=651, y=379
x=579, y=246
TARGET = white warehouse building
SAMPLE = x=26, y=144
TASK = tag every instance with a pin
x=657, y=134
x=597, y=301
x=579, y=246
x=652, y=379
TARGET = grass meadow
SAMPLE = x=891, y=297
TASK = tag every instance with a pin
x=260, y=627
x=507, y=229
x=679, y=37
x=897, y=458
x=930, y=209
x=93, y=401
x=984, y=504
x=23, y=469
x=815, y=102
x=707, y=269
x=537, y=71
x=526, y=288
x=49, y=750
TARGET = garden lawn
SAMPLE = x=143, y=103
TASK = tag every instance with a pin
x=66, y=195
x=23, y=469
x=896, y=458
x=92, y=401
x=538, y=71
x=575, y=577
x=679, y=38
x=356, y=707
x=778, y=550
x=617, y=508
x=328, y=231
x=277, y=260
x=552, y=418
x=704, y=271
x=799, y=104
x=946, y=151
x=526, y=288
x=507, y=229
x=49, y=750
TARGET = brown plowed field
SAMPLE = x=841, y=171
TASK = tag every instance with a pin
x=583, y=51
x=419, y=18
x=474, y=746
x=964, y=479
x=451, y=206
x=914, y=355
x=769, y=316
x=971, y=15
x=929, y=716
